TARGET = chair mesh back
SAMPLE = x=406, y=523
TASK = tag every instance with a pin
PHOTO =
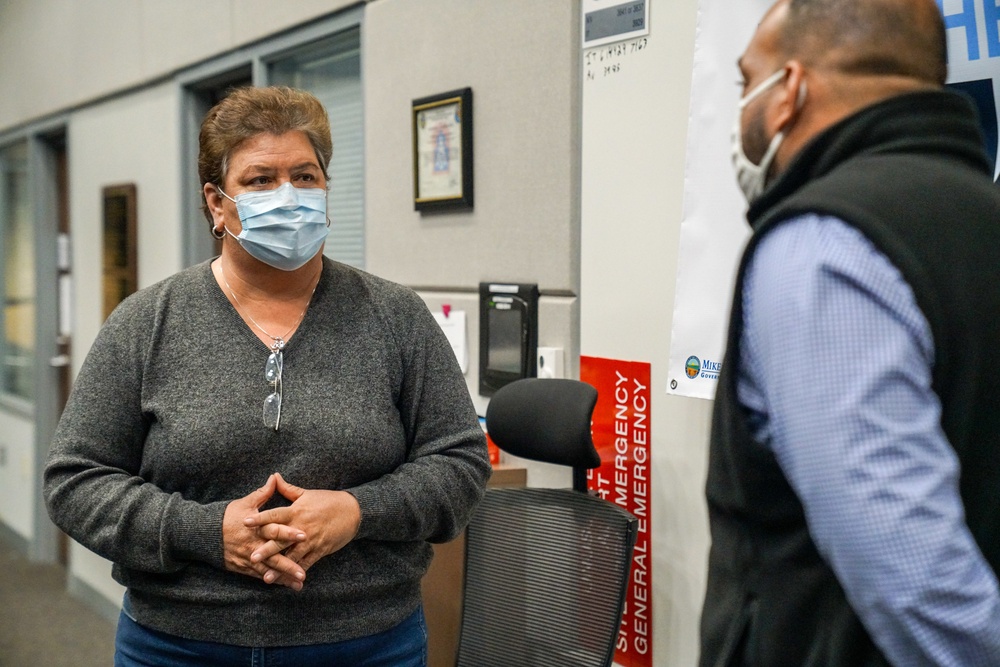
x=546, y=572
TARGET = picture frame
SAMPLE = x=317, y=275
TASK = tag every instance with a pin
x=442, y=151
x=119, y=244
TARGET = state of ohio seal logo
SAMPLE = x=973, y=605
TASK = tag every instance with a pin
x=692, y=367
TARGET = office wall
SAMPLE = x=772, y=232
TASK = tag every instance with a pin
x=61, y=56
x=524, y=74
x=133, y=139
x=57, y=54
x=606, y=266
x=123, y=114
x=17, y=474
x=634, y=142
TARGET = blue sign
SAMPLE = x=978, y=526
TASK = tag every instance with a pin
x=974, y=61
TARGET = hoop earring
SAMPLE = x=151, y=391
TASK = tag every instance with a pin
x=218, y=233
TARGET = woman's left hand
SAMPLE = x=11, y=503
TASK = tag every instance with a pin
x=330, y=520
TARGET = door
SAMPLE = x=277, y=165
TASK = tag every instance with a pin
x=53, y=321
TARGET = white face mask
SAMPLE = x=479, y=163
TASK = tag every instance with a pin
x=753, y=177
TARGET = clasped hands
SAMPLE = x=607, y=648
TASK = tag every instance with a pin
x=279, y=545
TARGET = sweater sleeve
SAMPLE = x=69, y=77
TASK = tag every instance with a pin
x=433, y=494
x=92, y=485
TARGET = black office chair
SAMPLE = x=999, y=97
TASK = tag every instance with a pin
x=546, y=569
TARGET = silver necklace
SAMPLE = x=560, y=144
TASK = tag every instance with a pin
x=278, y=342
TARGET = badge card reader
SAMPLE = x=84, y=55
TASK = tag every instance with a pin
x=508, y=334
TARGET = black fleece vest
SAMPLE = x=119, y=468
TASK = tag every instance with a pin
x=910, y=174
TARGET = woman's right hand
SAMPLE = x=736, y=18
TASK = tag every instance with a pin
x=239, y=541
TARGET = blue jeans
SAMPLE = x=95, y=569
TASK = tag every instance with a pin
x=402, y=646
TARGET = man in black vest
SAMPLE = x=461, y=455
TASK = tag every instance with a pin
x=854, y=473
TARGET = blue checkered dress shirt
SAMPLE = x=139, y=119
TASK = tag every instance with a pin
x=835, y=371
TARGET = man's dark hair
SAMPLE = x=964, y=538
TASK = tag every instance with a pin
x=869, y=37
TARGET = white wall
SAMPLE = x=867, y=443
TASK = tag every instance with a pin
x=524, y=74
x=523, y=226
x=524, y=77
x=132, y=139
x=634, y=134
x=599, y=223
x=57, y=54
x=18, y=481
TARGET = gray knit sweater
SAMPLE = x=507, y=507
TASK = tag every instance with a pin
x=163, y=429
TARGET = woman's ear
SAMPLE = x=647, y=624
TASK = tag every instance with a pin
x=214, y=202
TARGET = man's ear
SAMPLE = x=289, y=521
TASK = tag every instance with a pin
x=794, y=97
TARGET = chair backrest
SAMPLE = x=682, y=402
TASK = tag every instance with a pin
x=546, y=574
x=548, y=421
x=546, y=569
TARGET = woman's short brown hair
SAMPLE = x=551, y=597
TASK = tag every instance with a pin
x=248, y=112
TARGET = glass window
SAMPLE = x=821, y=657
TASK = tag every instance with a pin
x=331, y=70
x=200, y=96
x=18, y=257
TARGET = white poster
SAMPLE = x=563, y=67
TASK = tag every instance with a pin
x=714, y=230
x=452, y=323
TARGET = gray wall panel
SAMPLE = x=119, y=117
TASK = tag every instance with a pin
x=58, y=54
x=521, y=59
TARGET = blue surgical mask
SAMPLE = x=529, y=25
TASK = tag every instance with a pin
x=284, y=227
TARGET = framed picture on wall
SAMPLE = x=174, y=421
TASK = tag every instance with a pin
x=442, y=151
x=120, y=255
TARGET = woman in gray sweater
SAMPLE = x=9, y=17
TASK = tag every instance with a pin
x=265, y=444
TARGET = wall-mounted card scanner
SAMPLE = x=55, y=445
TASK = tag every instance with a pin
x=508, y=334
